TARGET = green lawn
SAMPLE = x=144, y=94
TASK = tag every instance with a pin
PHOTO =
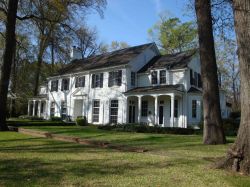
x=172, y=160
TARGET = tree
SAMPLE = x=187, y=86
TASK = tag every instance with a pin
x=213, y=131
x=9, y=51
x=115, y=45
x=238, y=157
x=172, y=36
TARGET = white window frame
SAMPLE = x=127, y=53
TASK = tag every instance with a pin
x=113, y=116
x=94, y=112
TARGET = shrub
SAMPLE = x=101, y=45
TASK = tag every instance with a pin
x=81, y=121
x=55, y=119
x=33, y=118
x=149, y=129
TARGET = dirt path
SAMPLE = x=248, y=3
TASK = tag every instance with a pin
x=99, y=144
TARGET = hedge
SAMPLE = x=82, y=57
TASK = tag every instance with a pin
x=149, y=129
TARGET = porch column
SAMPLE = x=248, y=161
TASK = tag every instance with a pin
x=156, y=110
x=172, y=111
x=139, y=109
x=28, y=108
x=39, y=109
x=34, y=107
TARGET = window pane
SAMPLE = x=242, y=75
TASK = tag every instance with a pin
x=144, y=108
x=113, y=111
x=162, y=77
x=154, y=77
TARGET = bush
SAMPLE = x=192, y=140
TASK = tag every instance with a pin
x=149, y=129
x=33, y=118
x=230, y=127
x=55, y=119
x=81, y=121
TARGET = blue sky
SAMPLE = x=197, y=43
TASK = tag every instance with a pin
x=129, y=20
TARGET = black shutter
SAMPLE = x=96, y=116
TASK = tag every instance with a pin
x=62, y=84
x=83, y=84
x=67, y=84
x=110, y=79
x=191, y=77
x=76, y=82
x=199, y=81
x=93, y=81
x=101, y=80
x=56, y=86
x=119, y=77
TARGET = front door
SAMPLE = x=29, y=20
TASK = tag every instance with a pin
x=132, y=113
x=160, y=115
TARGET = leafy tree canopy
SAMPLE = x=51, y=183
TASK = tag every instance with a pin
x=172, y=36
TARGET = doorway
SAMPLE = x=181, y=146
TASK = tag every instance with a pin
x=161, y=116
x=131, y=112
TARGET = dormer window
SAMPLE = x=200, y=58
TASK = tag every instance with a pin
x=154, y=77
x=163, y=77
x=80, y=82
x=54, y=86
x=97, y=80
x=65, y=84
x=195, y=79
x=115, y=78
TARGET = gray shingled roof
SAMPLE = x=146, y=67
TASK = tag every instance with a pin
x=115, y=58
x=171, y=61
x=154, y=89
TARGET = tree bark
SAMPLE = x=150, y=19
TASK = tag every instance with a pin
x=238, y=157
x=213, y=132
x=39, y=64
x=10, y=43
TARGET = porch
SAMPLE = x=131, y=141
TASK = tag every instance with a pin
x=158, y=106
x=37, y=107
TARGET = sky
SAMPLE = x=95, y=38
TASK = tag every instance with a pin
x=129, y=20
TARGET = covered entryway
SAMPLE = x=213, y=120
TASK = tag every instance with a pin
x=78, y=108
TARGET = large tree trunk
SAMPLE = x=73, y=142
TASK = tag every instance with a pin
x=39, y=65
x=10, y=42
x=238, y=158
x=213, y=131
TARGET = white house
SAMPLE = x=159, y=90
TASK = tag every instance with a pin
x=132, y=85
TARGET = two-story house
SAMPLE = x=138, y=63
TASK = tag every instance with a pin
x=132, y=85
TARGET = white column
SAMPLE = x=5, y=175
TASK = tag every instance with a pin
x=28, y=108
x=139, y=109
x=39, y=109
x=34, y=107
x=172, y=111
x=156, y=110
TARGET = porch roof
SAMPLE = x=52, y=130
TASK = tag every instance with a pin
x=39, y=97
x=156, y=89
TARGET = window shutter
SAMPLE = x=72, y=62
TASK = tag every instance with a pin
x=119, y=77
x=83, y=84
x=62, y=83
x=101, y=80
x=56, y=86
x=110, y=79
x=93, y=81
x=191, y=76
x=76, y=82
x=199, y=81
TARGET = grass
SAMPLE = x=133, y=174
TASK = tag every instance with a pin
x=173, y=160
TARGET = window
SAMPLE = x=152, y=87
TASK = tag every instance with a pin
x=115, y=78
x=195, y=79
x=54, y=86
x=144, y=108
x=113, y=111
x=96, y=110
x=194, y=108
x=162, y=77
x=65, y=84
x=80, y=82
x=63, y=109
x=154, y=77
x=97, y=80
x=133, y=78
x=175, y=108
x=52, y=109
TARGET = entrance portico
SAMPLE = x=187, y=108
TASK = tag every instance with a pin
x=37, y=107
x=157, y=106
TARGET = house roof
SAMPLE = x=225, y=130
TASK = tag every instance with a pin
x=115, y=58
x=153, y=89
x=170, y=61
